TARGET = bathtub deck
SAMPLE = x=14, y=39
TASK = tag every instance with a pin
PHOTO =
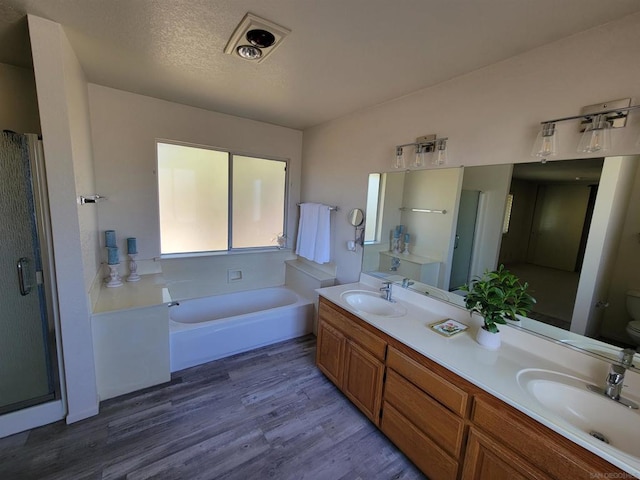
x=268, y=413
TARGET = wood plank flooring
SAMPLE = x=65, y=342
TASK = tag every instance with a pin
x=265, y=414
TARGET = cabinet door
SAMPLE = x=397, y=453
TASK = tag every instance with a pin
x=487, y=459
x=363, y=380
x=434, y=462
x=330, y=353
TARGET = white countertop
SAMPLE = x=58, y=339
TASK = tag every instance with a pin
x=150, y=290
x=493, y=371
x=410, y=257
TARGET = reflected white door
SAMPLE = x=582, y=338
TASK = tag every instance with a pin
x=465, y=232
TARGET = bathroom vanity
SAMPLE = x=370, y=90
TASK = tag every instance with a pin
x=455, y=409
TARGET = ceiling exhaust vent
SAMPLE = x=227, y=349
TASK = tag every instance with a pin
x=255, y=38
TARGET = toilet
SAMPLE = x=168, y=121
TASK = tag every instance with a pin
x=633, y=307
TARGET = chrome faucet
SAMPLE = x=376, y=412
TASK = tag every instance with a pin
x=386, y=291
x=613, y=386
x=406, y=283
x=626, y=357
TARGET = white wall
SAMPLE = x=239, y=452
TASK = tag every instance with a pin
x=209, y=275
x=432, y=234
x=609, y=213
x=18, y=102
x=125, y=127
x=61, y=87
x=491, y=116
x=626, y=269
x=494, y=184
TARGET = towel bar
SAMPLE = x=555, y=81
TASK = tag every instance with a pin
x=333, y=209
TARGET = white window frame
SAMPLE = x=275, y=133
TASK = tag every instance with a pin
x=230, y=155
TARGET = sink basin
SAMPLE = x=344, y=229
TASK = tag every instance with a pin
x=567, y=397
x=370, y=302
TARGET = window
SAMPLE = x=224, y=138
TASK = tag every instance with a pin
x=373, y=200
x=212, y=200
x=507, y=214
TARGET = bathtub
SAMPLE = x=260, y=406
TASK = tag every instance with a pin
x=209, y=328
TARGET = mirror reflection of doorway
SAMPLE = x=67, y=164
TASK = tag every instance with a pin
x=546, y=235
x=463, y=241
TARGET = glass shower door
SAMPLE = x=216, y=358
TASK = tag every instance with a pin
x=26, y=367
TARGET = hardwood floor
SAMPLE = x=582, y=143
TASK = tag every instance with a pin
x=264, y=414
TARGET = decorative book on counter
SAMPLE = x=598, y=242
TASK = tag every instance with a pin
x=448, y=327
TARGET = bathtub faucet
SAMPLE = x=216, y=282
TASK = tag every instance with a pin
x=173, y=304
x=395, y=263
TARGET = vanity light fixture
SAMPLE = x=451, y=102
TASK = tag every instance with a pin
x=425, y=147
x=597, y=136
x=596, y=121
x=441, y=156
x=419, y=160
x=545, y=145
x=398, y=161
x=255, y=38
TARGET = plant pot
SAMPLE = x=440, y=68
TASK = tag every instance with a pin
x=487, y=339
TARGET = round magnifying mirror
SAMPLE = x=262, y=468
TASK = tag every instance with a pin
x=356, y=217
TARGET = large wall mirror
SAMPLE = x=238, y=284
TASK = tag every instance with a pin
x=569, y=228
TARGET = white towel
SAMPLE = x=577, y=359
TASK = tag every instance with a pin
x=314, y=232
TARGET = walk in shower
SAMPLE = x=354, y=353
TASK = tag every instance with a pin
x=29, y=373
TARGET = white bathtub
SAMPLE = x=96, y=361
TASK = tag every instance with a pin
x=206, y=329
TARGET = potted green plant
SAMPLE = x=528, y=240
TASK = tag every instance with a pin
x=497, y=295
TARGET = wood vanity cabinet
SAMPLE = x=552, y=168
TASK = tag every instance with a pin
x=352, y=357
x=424, y=412
x=506, y=444
x=447, y=426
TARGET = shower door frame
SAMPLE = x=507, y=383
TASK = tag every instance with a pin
x=53, y=410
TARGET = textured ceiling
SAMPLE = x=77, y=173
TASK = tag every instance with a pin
x=342, y=55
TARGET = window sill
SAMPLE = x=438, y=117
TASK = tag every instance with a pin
x=168, y=256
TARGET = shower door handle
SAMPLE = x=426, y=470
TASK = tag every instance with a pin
x=23, y=264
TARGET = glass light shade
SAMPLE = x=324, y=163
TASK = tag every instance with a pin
x=419, y=160
x=440, y=155
x=398, y=161
x=596, y=137
x=545, y=144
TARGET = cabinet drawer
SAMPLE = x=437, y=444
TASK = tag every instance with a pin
x=542, y=447
x=428, y=457
x=442, y=390
x=375, y=345
x=444, y=427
